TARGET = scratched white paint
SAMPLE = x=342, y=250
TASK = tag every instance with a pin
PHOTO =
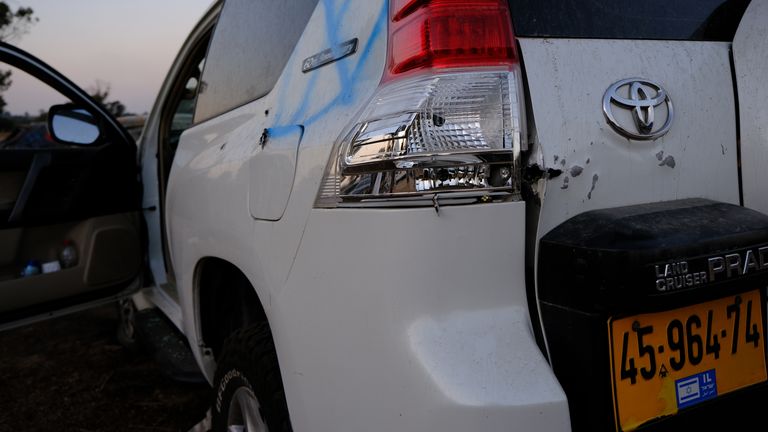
x=750, y=54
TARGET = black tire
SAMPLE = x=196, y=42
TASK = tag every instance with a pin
x=249, y=362
x=127, y=332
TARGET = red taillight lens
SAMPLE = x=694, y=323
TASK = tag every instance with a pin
x=449, y=33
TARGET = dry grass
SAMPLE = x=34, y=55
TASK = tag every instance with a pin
x=70, y=374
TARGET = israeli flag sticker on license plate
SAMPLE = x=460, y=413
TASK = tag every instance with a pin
x=696, y=388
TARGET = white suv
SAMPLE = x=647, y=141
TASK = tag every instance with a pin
x=434, y=215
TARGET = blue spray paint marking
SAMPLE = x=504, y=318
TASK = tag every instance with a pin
x=332, y=25
x=347, y=80
x=344, y=96
x=281, y=131
x=301, y=111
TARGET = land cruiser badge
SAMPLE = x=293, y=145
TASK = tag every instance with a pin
x=329, y=55
x=678, y=275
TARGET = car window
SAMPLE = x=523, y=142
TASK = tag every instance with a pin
x=712, y=20
x=180, y=104
x=24, y=104
x=186, y=97
x=252, y=43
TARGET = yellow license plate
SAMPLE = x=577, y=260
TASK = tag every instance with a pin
x=667, y=361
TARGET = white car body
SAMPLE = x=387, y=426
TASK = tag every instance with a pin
x=410, y=318
x=435, y=341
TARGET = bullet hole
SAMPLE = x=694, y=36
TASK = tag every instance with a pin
x=594, y=183
x=576, y=171
x=668, y=161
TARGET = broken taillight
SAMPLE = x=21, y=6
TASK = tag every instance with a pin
x=448, y=116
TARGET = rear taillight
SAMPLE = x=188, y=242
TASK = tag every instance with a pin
x=448, y=116
x=444, y=34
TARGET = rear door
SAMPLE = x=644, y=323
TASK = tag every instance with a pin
x=574, y=52
x=750, y=56
x=69, y=195
x=634, y=104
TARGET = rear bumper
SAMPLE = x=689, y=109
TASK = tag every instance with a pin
x=625, y=263
x=412, y=320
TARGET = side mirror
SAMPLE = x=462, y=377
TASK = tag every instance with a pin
x=69, y=124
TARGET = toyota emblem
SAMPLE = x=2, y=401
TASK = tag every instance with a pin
x=641, y=97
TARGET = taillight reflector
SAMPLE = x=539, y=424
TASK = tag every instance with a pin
x=449, y=33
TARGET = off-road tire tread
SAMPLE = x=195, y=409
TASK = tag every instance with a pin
x=251, y=351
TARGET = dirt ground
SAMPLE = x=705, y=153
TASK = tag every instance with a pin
x=71, y=374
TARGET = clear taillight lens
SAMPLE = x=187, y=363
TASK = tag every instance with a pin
x=447, y=119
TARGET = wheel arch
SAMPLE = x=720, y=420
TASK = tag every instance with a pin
x=226, y=301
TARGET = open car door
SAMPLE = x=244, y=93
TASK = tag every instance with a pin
x=69, y=195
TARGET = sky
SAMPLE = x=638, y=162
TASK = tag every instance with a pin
x=128, y=45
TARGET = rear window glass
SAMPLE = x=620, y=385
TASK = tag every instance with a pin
x=698, y=20
x=252, y=42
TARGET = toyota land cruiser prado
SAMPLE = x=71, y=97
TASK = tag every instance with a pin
x=430, y=215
